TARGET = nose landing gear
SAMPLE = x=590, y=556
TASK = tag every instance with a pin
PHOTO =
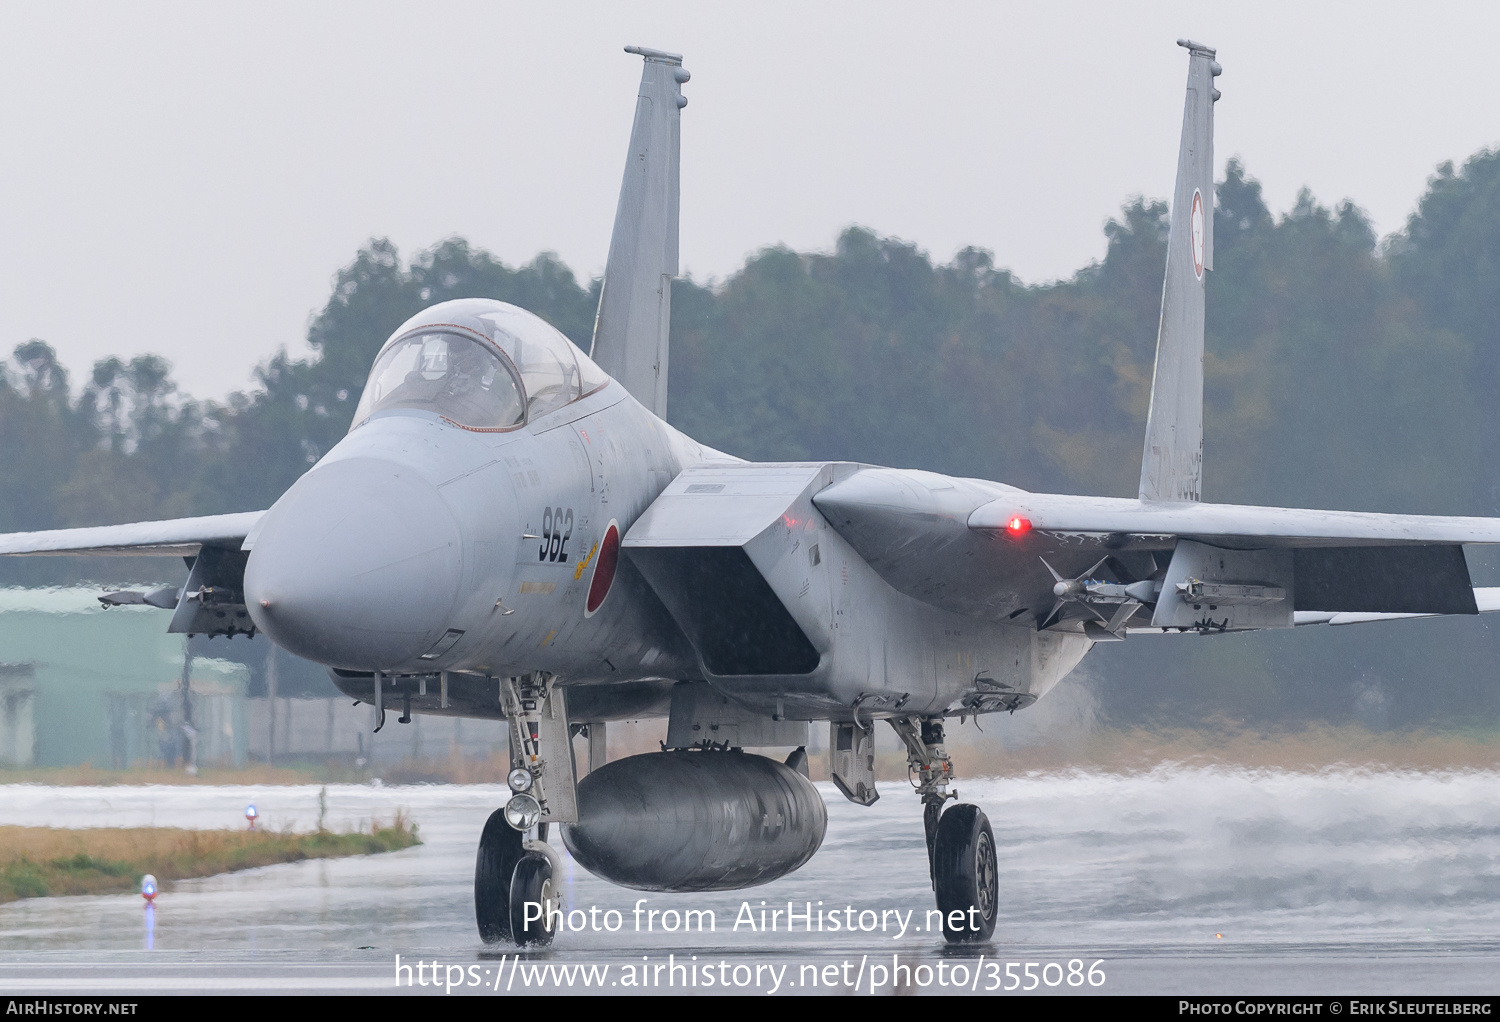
x=514, y=896
x=960, y=844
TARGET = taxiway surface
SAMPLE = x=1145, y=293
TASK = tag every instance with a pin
x=1176, y=881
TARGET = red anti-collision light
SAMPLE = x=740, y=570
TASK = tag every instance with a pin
x=1018, y=526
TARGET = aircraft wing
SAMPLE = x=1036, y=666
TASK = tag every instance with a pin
x=177, y=537
x=1228, y=524
x=991, y=551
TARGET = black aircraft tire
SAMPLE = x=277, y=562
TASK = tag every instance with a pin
x=499, y=851
x=532, y=885
x=966, y=874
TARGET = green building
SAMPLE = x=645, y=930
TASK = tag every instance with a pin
x=80, y=683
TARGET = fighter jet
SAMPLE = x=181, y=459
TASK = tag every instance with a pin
x=512, y=530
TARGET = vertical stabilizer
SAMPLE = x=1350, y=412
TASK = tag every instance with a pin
x=1172, y=468
x=635, y=307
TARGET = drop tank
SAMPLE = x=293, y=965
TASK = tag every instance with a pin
x=695, y=821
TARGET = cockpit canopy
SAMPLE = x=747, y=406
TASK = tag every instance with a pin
x=480, y=364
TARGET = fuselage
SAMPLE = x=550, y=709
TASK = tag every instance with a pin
x=421, y=544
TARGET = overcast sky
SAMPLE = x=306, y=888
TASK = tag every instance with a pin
x=186, y=178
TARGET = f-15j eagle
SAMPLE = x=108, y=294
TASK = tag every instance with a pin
x=512, y=530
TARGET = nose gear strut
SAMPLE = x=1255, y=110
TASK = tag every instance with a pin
x=515, y=876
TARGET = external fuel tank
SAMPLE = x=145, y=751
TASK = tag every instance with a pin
x=695, y=821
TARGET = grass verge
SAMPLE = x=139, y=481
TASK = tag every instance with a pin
x=257, y=774
x=40, y=861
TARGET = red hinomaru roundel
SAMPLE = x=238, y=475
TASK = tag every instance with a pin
x=605, y=563
x=1196, y=234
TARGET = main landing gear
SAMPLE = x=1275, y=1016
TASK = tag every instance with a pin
x=960, y=845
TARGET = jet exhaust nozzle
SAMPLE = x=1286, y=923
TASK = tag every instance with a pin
x=695, y=821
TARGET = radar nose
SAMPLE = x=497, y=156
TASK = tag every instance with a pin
x=357, y=566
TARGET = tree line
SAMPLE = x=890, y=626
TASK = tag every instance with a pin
x=1341, y=371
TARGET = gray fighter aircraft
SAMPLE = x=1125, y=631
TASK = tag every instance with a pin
x=512, y=530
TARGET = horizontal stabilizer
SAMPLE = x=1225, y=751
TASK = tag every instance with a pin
x=1486, y=599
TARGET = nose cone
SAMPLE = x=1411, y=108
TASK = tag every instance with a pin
x=357, y=566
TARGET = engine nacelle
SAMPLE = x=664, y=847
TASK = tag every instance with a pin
x=695, y=821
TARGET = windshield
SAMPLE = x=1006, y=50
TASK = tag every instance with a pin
x=447, y=373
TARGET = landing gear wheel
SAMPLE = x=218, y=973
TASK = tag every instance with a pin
x=532, y=902
x=499, y=852
x=966, y=874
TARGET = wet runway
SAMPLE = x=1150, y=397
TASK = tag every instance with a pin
x=1175, y=881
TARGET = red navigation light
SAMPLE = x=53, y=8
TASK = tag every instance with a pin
x=1018, y=526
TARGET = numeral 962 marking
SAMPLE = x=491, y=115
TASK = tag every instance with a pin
x=557, y=529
